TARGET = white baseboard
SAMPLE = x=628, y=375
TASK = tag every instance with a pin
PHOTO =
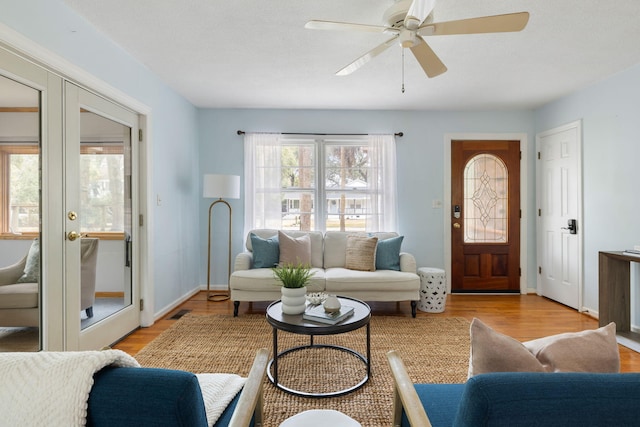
x=164, y=311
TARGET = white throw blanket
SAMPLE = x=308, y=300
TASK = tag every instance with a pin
x=51, y=388
x=218, y=390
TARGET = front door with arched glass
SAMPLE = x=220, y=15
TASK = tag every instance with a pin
x=485, y=198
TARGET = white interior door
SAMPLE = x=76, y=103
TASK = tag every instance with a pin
x=559, y=200
x=100, y=240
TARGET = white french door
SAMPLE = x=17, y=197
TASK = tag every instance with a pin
x=559, y=197
x=100, y=186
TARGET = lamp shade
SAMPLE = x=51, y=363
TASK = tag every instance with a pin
x=221, y=186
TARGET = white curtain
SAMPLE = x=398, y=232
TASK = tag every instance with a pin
x=262, y=204
x=263, y=201
x=383, y=184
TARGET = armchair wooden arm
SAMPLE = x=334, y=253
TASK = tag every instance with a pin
x=405, y=395
x=251, y=400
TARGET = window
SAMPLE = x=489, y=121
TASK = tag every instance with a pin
x=486, y=184
x=101, y=200
x=331, y=183
x=21, y=197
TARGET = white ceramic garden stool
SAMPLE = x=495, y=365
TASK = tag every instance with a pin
x=320, y=418
x=433, y=290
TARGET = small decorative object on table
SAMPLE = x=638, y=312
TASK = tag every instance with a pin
x=331, y=304
x=316, y=298
x=294, y=280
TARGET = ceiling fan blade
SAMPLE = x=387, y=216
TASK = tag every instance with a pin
x=418, y=12
x=486, y=24
x=367, y=57
x=429, y=61
x=344, y=26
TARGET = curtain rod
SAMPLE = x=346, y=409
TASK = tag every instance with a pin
x=399, y=134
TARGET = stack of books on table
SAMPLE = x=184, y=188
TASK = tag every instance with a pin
x=317, y=314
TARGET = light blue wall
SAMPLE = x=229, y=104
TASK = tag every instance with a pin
x=188, y=142
x=52, y=25
x=420, y=157
x=610, y=113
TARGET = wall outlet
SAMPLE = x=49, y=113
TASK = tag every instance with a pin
x=436, y=204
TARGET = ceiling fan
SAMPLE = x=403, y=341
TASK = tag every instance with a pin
x=411, y=20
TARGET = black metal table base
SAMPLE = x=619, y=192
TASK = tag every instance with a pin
x=272, y=374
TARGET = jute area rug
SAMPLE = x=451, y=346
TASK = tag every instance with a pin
x=434, y=349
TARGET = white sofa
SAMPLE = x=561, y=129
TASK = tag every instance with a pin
x=328, y=260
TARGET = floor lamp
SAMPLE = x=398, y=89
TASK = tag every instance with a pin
x=220, y=187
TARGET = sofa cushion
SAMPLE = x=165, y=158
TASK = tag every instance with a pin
x=586, y=351
x=335, y=245
x=361, y=253
x=440, y=402
x=263, y=280
x=294, y=250
x=266, y=252
x=385, y=281
x=19, y=295
x=388, y=253
x=316, y=238
x=32, y=266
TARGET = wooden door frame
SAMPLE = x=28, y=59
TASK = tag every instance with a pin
x=524, y=196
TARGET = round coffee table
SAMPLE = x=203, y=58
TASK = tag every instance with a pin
x=297, y=325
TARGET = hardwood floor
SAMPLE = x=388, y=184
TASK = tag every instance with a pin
x=523, y=317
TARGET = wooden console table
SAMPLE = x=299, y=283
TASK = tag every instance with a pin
x=614, y=296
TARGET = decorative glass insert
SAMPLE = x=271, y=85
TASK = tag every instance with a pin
x=486, y=184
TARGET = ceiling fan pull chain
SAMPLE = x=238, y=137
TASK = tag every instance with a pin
x=402, y=50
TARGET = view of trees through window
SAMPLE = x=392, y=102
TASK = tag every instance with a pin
x=24, y=211
x=101, y=200
x=337, y=181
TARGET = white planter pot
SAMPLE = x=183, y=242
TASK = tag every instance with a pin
x=293, y=300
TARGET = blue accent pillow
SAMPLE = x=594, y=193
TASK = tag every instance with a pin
x=266, y=252
x=388, y=253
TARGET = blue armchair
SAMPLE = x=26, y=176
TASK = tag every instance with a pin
x=517, y=399
x=163, y=397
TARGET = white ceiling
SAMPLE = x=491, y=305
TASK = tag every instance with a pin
x=257, y=53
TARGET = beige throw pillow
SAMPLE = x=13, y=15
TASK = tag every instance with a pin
x=294, y=251
x=361, y=253
x=586, y=351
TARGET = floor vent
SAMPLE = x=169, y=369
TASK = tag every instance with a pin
x=179, y=314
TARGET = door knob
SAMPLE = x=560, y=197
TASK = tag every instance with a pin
x=456, y=225
x=571, y=226
x=73, y=235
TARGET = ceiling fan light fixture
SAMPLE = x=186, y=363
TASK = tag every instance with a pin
x=407, y=38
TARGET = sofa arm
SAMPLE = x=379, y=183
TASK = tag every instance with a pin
x=408, y=263
x=243, y=261
x=10, y=274
x=405, y=395
x=250, y=404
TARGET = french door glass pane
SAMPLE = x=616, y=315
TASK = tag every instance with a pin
x=20, y=212
x=105, y=210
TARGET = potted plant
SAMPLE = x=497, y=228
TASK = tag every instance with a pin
x=294, y=280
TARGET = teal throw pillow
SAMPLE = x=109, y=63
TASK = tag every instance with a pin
x=32, y=266
x=266, y=252
x=388, y=253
